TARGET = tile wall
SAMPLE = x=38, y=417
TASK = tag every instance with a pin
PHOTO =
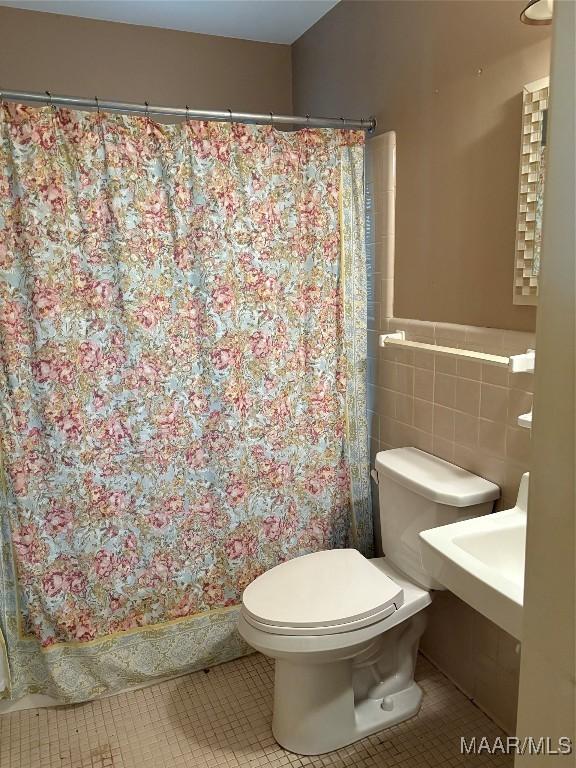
x=463, y=411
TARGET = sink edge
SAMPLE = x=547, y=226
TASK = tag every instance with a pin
x=500, y=607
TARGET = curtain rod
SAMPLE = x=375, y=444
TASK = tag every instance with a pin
x=367, y=124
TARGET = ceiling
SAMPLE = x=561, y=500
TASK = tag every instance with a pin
x=273, y=21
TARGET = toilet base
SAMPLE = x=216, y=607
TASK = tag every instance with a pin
x=321, y=707
x=334, y=724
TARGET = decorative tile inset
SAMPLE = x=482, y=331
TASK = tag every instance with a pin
x=528, y=226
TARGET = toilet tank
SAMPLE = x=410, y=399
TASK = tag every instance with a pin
x=418, y=491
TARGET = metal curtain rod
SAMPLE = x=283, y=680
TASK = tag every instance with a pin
x=368, y=124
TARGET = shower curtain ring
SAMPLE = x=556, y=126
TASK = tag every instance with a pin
x=187, y=116
x=147, y=112
x=97, y=104
x=230, y=113
x=272, y=119
x=307, y=121
x=49, y=98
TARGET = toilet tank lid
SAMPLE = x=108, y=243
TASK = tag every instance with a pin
x=435, y=479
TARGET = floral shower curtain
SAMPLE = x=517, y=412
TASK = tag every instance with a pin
x=182, y=396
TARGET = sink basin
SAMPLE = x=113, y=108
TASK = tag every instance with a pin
x=482, y=561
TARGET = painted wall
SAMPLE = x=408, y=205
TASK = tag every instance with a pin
x=447, y=77
x=83, y=57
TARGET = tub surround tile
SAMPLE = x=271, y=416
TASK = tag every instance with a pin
x=485, y=339
x=494, y=402
x=384, y=256
x=450, y=334
x=380, y=160
x=405, y=379
x=424, y=384
x=423, y=440
x=383, y=219
x=372, y=260
x=491, y=374
x=398, y=355
x=443, y=448
x=387, y=302
x=374, y=426
x=469, y=369
x=373, y=315
x=445, y=390
x=466, y=428
x=387, y=403
x=404, y=408
x=380, y=218
x=443, y=364
x=373, y=347
x=492, y=437
x=443, y=424
x=467, y=396
x=416, y=328
x=423, y=415
x=422, y=358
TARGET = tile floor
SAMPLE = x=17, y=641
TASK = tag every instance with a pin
x=221, y=719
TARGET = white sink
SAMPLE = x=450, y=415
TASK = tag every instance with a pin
x=482, y=561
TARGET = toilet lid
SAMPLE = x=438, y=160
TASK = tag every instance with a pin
x=321, y=590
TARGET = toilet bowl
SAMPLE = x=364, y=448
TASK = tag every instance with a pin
x=341, y=681
x=344, y=630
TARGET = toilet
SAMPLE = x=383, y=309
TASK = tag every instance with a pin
x=344, y=630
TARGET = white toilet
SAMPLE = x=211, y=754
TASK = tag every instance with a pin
x=344, y=630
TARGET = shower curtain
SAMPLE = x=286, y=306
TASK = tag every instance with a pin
x=182, y=393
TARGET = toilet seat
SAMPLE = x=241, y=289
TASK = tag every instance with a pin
x=330, y=629
x=323, y=593
x=311, y=645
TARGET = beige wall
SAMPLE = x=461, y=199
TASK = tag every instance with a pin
x=83, y=57
x=415, y=66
